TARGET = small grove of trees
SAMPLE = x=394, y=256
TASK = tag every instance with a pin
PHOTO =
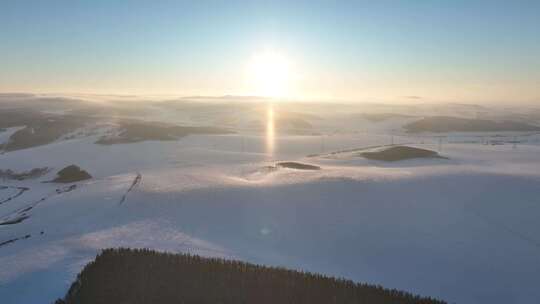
x=10, y=174
x=144, y=276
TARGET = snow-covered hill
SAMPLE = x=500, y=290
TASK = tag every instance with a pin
x=464, y=229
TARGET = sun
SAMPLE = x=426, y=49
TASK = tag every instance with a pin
x=269, y=74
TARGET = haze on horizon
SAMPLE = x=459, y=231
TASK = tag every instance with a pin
x=391, y=51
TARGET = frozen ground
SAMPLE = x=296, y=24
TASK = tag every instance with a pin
x=464, y=229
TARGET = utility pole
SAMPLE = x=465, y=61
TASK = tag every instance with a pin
x=392, y=131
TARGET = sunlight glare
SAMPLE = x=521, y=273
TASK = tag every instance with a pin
x=269, y=74
x=270, y=130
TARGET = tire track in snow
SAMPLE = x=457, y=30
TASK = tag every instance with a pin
x=135, y=183
x=501, y=226
x=21, y=191
x=10, y=241
x=13, y=240
x=21, y=214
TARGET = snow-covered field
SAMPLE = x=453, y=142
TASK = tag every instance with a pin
x=464, y=229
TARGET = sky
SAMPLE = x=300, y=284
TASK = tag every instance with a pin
x=395, y=51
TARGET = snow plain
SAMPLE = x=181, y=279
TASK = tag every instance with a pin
x=464, y=229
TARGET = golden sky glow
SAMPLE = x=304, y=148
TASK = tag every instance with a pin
x=432, y=51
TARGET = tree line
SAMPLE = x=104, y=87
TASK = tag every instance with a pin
x=144, y=276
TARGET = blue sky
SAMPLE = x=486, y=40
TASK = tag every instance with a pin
x=353, y=50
